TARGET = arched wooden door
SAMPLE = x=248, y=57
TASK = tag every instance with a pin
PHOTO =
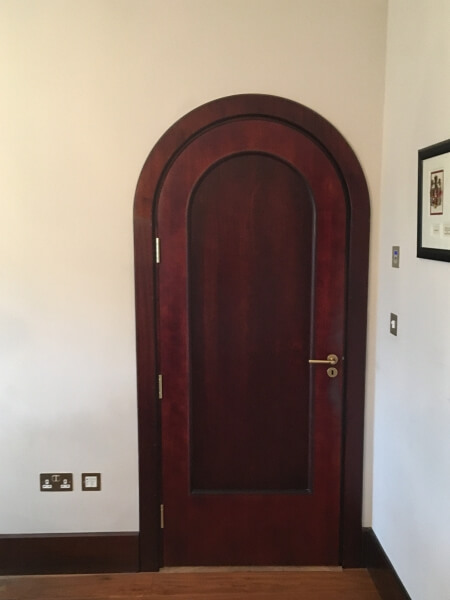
x=257, y=210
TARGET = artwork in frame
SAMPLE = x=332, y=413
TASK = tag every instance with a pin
x=433, y=216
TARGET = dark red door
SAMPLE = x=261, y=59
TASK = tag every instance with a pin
x=252, y=221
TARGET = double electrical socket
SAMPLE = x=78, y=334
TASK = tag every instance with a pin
x=56, y=482
x=63, y=482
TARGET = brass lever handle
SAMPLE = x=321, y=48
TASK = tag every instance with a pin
x=332, y=359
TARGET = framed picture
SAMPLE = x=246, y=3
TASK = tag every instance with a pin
x=433, y=215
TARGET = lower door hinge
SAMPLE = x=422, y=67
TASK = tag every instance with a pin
x=160, y=386
x=161, y=516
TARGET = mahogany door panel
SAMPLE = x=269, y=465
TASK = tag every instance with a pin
x=252, y=221
x=249, y=326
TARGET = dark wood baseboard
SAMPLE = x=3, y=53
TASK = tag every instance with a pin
x=42, y=554
x=381, y=570
x=69, y=553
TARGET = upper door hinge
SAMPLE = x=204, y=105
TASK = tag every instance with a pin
x=160, y=386
x=157, y=253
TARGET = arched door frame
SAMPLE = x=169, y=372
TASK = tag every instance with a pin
x=153, y=173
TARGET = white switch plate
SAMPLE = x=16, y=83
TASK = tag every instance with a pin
x=91, y=482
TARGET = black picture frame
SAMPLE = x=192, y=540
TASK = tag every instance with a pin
x=433, y=207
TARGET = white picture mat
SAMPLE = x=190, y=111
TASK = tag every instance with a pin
x=436, y=228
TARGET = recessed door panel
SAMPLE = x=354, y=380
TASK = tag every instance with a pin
x=250, y=256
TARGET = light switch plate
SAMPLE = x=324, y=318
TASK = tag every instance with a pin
x=393, y=324
x=91, y=482
x=396, y=257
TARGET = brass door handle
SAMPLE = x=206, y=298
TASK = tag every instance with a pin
x=332, y=359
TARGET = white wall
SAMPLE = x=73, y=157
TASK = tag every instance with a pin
x=411, y=505
x=88, y=86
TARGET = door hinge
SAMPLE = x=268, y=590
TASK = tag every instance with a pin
x=161, y=515
x=160, y=386
x=157, y=253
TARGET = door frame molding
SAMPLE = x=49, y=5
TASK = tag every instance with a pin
x=149, y=184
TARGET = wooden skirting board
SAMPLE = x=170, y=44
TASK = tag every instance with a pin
x=119, y=552
x=69, y=553
x=381, y=570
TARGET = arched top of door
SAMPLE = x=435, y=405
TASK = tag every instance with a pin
x=242, y=106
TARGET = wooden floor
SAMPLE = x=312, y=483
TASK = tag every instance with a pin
x=353, y=584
